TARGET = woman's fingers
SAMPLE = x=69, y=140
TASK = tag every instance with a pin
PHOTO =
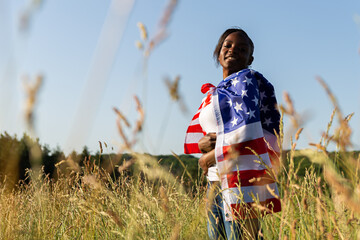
x=207, y=143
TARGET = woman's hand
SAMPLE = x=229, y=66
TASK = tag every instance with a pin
x=207, y=160
x=207, y=143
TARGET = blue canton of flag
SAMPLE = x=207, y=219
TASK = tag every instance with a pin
x=239, y=100
x=247, y=97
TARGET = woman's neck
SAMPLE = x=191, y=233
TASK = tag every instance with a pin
x=227, y=72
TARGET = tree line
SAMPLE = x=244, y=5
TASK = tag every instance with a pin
x=15, y=160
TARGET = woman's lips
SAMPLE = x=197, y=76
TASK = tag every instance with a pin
x=230, y=58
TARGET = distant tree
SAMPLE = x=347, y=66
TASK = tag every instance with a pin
x=48, y=161
x=85, y=154
x=24, y=161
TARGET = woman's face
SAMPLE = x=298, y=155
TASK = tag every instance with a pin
x=235, y=53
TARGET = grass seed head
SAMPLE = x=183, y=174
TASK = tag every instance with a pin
x=143, y=32
x=298, y=133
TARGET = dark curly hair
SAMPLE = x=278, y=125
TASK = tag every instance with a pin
x=224, y=36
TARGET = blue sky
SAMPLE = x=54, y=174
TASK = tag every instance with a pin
x=295, y=41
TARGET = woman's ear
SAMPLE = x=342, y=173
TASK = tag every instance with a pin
x=251, y=59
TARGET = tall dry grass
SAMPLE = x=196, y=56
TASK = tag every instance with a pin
x=91, y=205
x=87, y=203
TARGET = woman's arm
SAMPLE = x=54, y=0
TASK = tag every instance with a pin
x=207, y=160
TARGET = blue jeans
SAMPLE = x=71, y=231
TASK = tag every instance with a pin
x=217, y=227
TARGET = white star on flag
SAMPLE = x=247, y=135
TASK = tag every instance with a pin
x=235, y=81
x=262, y=95
x=234, y=121
x=243, y=93
x=251, y=113
x=265, y=108
x=248, y=81
x=238, y=106
x=230, y=102
x=255, y=100
x=268, y=121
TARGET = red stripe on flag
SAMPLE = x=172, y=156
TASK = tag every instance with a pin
x=245, y=148
x=195, y=129
x=249, y=178
x=196, y=116
x=247, y=210
x=190, y=148
x=207, y=100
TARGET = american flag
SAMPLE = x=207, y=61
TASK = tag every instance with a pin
x=246, y=144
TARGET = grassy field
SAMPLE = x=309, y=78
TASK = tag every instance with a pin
x=320, y=203
x=319, y=191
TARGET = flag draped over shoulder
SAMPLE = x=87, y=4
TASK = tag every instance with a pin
x=246, y=144
x=194, y=132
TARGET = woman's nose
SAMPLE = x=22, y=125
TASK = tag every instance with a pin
x=232, y=49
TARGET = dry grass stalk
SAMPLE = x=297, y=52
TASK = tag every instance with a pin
x=293, y=229
x=28, y=12
x=101, y=149
x=66, y=168
x=261, y=207
x=326, y=138
x=32, y=91
x=122, y=135
x=161, y=34
x=255, y=180
x=126, y=165
x=115, y=217
x=319, y=147
x=143, y=31
x=343, y=132
x=143, y=34
x=91, y=181
x=164, y=198
x=176, y=232
x=139, y=45
x=140, y=121
x=331, y=95
x=297, y=134
x=333, y=219
x=272, y=192
x=121, y=116
x=319, y=215
x=290, y=110
x=304, y=203
x=183, y=165
x=337, y=183
x=173, y=89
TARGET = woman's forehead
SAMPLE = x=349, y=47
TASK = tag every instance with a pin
x=237, y=36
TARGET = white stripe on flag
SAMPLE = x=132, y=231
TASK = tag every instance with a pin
x=194, y=122
x=193, y=137
x=260, y=193
x=246, y=162
x=244, y=133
